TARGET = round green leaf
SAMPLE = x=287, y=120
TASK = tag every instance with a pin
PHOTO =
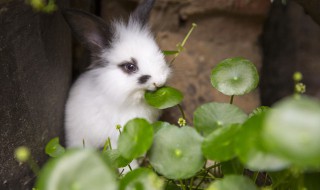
x=211, y=116
x=164, y=97
x=159, y=125
x=115, y=159
x=176, y=152
x=77, y=169
x=53, y=148
x=135, y=139
x=292, y=130
x=249, y=148
x=235, y=76
x=234, y=182
x=141, y=179
x=219, y=145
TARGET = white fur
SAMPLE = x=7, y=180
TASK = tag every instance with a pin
x=104, y=97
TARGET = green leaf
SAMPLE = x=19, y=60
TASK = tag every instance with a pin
x=135, y=139
x=176, y=152
x=259, y=110
x=76, y=169
x=211, y=116
x=250, y=150
x=159, y=125
x=292, y=129
x=170, y=52
x=219, y=145
x=53, y=148
x=164, y=97
x=115, y=159
x=235, y=76
x=141, y=179
x=233, y=182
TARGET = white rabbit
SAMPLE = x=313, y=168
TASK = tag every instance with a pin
x=126, y=62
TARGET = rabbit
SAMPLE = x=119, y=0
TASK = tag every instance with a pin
x=125, y=63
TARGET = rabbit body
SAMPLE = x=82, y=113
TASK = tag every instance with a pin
x=126, y=62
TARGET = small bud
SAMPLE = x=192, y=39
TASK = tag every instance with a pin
x=178, y=153
x=297, y=76
x=300, y=88
x=118, y=127
x=182, y=122
x=22, y=154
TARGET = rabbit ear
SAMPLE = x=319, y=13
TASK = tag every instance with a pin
x=89, y=29
x=142, y=12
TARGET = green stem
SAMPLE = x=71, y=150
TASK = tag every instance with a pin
x=202, y=180
x=180, y=47
x=129, y=167
x=191, y=183
x=182, y=112
x=34, y=166
x=231, y=99
x=188, y=35
x=109, y=141
x=255, y=176
x=183, y=187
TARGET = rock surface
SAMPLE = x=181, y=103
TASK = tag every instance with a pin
x=291, y=43
x=35, y=73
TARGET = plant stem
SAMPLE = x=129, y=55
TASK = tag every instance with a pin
x=129, y=167
x=182, y=112
x=180, y=46
x=33, y=165
x=183, y=187
x=231, y=99
x=202, y=180
x=255, y=176
x=110, y=146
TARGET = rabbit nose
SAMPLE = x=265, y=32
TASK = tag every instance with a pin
x=158, y=85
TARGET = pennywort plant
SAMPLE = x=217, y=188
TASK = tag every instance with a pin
x=274, y=147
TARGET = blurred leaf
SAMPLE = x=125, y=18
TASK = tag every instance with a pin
x=141, y=179
x=170, y=52
x=250, y=150
x=233, y=182
x=135, y=139
x=53, y=148
x=76, y=169
x=235, y=76
x=219, y=145
x=211, y=116
x=164, y=97
x=292, y=130
x=176, y=152
x=115, y=159
x=259, y=110
x=233, y=166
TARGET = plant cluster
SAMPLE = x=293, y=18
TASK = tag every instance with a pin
x=281, y=144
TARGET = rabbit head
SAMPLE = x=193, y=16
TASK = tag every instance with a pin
x=125, y=57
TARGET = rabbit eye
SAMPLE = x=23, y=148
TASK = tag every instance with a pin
x=129, y=67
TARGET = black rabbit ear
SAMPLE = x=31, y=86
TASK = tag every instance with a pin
x=89, y=29
x=142, y=12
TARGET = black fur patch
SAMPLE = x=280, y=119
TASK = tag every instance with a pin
x=143, y=79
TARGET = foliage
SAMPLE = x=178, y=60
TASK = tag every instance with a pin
x=281, y=142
